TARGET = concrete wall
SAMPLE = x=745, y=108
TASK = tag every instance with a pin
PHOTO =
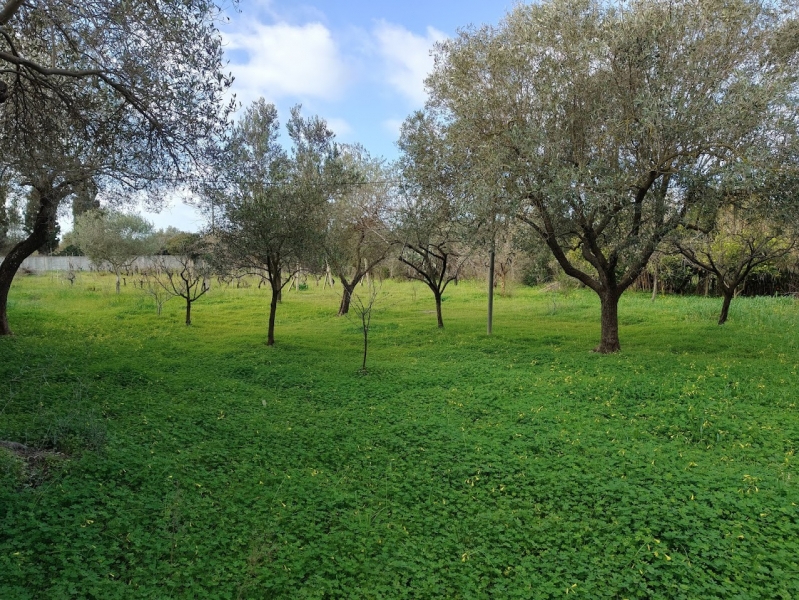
x=81, y=263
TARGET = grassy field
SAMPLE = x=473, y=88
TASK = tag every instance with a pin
x=198, y=463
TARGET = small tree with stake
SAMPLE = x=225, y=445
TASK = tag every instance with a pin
x=156, y=291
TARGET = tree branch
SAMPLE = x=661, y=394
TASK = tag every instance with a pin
x=9, y=10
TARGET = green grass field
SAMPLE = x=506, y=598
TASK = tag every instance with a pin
x=198, y=463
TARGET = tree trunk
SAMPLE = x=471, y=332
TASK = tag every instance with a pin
x=270, y=337
x=328, y=276
x=438, y=309
x=13, y=261
x=491, y=258
x=610, y=324
x=725, y=305
x=117, y=287
x=346, y=297
x=188, y=311
x=655, y=283
x=365, y=342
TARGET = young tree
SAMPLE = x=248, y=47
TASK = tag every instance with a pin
x=118, y=95
x=739, y=240
x=185, y=273
x=431, y=225
x=363, y=306
x=358, y=237
x=272, y=212
x=113, y=237
x=155, y=290
x=598, y=116
x=429, y=250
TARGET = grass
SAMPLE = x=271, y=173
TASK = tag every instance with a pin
x=201, y=464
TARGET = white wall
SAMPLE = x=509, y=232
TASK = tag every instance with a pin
x=82, y=263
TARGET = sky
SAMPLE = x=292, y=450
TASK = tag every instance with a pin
x=358, y=64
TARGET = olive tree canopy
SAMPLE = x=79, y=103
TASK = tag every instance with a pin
x=114, y=238
x=357, y=238
x=432, y=225
x=601, y=117
x=272, y=203
x=103, y=95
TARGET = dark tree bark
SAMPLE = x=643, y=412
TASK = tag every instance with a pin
x=434, y=267
x=276, y=288
x=48, y=205
x=362, y=268
x=609, y=341
x=725, y=305
x=188, y=311
x=346, y=297
x=440, y=320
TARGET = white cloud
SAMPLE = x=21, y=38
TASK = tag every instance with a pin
x=281, y=60
x=393, y=126
x=175, y=214
x=339, y=126
x=407, y=58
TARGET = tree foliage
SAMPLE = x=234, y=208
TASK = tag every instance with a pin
x=431, y=224
x=273, y=204
x=740, y=240
x=358, y=236
x=113, y=237
x=105, y=95
x=602, y=116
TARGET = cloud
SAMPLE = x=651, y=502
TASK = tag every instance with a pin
x=175, y=214
x=281, y=60
x=339, y=126
x=393, y=126
x=407, y=58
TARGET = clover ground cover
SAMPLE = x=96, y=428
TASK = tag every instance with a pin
x=198, y=463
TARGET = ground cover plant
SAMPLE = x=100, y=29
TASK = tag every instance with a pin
x=196, y=462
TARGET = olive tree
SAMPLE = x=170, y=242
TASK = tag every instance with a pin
x=358, y=237
x=598, y=116
x=432, y=227
x=184, y=273
x=272, y=206
x=106, y=97
x=114, y=238
x=737, y=240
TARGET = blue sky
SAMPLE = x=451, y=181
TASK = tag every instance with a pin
x=359, y=64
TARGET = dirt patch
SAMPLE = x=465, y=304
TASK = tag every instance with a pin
x=34, y=465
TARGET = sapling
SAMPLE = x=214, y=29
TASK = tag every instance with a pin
x=362, y=305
